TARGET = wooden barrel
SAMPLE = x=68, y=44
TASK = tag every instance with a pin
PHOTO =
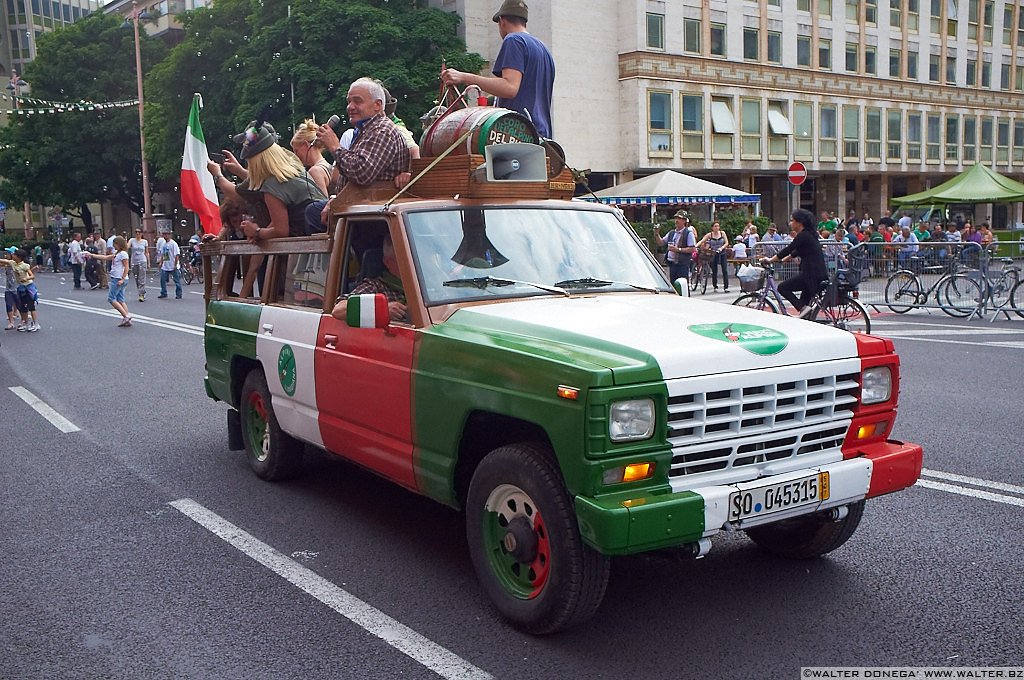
x=490, y=125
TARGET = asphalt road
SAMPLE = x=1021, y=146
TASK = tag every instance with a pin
x=138, y=546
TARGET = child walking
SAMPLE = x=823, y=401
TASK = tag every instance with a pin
x=11, y=300
x=27, y=293
x=118, y=278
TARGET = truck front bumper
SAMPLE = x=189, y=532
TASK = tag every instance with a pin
x=648, y=522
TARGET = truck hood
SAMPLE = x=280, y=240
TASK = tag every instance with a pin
x=683, y=336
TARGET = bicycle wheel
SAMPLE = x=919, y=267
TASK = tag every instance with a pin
x=694, y=277
x=705, y=274
x=999, y=288
x=847, y=314
x=757, y=301
x=902, y=291
x=1017, y=299
x=959, y=296
x=198, y=269
x=186, y=274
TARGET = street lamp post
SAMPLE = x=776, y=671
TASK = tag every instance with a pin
x=148, y=223
x=15, y=86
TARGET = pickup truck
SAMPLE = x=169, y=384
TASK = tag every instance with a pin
x=542, y=375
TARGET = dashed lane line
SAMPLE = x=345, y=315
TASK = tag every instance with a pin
x=974, y=481
x=45, y=410
x=426, y=652
x=973, y=493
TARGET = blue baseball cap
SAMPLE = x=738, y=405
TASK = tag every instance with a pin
x=12, y=250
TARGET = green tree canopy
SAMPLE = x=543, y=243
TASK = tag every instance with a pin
x=245, y=55
x=70, y=158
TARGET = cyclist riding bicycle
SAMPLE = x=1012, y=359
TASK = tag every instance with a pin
x=807, y=247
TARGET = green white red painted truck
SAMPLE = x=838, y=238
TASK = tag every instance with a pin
x=570, y=426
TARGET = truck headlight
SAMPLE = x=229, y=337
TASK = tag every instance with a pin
x=876, y=385
x=631, y=420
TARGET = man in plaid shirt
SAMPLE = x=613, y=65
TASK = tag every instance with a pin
x=388, y=283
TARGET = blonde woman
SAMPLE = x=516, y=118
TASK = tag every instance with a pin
x=309, y=150
x=119, y=269
x=277, y=185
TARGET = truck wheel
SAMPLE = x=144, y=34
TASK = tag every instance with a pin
x=809, y=536
x=273, y=455
x=525, y=544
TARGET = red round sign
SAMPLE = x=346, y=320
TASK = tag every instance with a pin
x=797, y=173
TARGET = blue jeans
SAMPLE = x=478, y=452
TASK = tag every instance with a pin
x=177, y=282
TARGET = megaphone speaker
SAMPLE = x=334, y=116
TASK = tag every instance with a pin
x=516, y=162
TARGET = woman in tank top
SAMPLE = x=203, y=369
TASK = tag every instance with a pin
x=716, y=241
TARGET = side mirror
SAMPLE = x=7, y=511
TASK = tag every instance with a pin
x=682, y=286
x=367, y=311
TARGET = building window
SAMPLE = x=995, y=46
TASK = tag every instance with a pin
x=952, y=138
x=803, y=5
x=803, y=50
x=655, y=31
x=825, y=8
x=972, y=73
x=913, y=136
x=718, y=45
x=1020, y=28
x=779, y=130
x=970, y=139
x=659, y=123
x=873, y=134
x=824, y=53
x=723, y=128
x=986, y=73
x=986, y=140
x=1003, y=141
x=933, y=137
x=952, y=18
x=803, y=131
x=827, y=132
x=750, y=44
x=851, y=133
x=871, y=12
x=774, y=47
x=913, y=59
x=691, y=36
x=950, y=70
x=972, y=20
x=750, y=128
x=1008, y=25
x=1018, y=78
x=933, y=68
x=692, y=143
x=1004, y=77
x=894, y=135
x=851, y=57
x=896, y=13
x=1018, y=142
x=913, y=15
x=853, y=11
x=775, y=3
x=936, y=17
x=870, y=60
x=895, y=63
x=990, y=10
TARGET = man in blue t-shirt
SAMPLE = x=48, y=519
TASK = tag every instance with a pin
x=524, y=72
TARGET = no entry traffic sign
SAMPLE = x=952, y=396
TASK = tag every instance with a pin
x=797, y=173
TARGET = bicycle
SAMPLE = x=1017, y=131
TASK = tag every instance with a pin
x=701, y=273
x=834, y=304
x=191, y=267
x=957, y=294
x=998, y=285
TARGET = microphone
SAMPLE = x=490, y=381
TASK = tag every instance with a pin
x=333, y=122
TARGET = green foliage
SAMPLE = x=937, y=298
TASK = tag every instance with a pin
x=244, y=55
x=72, y=158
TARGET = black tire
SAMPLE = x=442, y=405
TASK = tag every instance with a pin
x=847, y=314
x=902, y=291
x=809, y=536
x=754, y=301
x=273, y=455
x=1017, y=299
x=556, y=580
x=960, y=296
x=186, y=274
x=705, y=276
x=694, y=277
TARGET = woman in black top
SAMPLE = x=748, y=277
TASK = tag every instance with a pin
x=807, y=247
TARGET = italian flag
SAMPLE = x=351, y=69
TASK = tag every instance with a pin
x=369, y=310
x=198, y=192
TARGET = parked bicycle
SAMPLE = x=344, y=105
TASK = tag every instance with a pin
x=701, y=273
x=834, y=304
x=957, y=294
x=998, y=284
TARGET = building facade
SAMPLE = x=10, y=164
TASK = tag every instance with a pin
x=878, y=98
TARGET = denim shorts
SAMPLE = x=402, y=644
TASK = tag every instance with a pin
x=116, y=293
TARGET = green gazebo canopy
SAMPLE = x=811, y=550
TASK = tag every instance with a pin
x=976, y=185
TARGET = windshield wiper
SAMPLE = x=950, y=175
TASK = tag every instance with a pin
x=483, y=282
x=590, y=282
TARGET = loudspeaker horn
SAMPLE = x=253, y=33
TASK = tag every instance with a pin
x=516, y=162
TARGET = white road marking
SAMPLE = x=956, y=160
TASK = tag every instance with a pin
x=973, y=481
x=974, y=493
x=69, y=300
x=136, y=318
x=404, y=639
x=45, y=410
x=925, y=332
x=977, y=343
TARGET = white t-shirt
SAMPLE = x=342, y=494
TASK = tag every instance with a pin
x=119, y=265
x=138, y=247
x=110, y=244
x=75, y=253
x=168, y=254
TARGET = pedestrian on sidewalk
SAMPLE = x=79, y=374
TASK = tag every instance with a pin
x=118, y=278
x=168, y=254
x=138, y=247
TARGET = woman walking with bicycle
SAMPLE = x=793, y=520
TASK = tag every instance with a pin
x=716, y=241
x=807, y=247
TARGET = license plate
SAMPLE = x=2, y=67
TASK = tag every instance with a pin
x=764, y=500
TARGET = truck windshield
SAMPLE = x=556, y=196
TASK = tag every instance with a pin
x=485, y=253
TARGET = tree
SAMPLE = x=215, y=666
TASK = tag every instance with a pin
x=245, y=55
x=71, y=158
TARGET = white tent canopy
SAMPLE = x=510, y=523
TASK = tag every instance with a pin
x=673, y=188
